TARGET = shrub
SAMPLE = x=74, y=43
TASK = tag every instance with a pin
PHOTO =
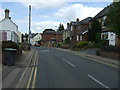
x=102, y=42
x=82, y=43
x=67, y=40
x=9, y=44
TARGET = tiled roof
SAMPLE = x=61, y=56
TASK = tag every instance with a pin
x=104, y=12
x=84, y=21
x=51, y=31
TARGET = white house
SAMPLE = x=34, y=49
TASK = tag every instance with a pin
x=66, y=32
x=20, y=36
x=10, y=28
x=35, y=38
x=110, y=36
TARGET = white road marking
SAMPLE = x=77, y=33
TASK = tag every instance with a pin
x=98, y=81
x=45, y=51
x=69, y=62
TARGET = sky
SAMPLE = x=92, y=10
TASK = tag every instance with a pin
x=50, y=13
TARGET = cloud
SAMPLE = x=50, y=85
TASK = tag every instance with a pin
x=44, y=16
x=41, y=26
x=43, y=3
x=74, y=11
x=37, y=26
x=1, y=14
x=59, y=0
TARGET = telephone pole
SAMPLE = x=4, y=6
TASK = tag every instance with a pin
x=29, y=26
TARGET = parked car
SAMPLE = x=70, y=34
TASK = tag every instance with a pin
x=37, y=44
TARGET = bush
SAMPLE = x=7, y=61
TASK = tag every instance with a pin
x=67, y=40
x=9, y=44
x=21, y=46
x=81, y=43
x=102, y=42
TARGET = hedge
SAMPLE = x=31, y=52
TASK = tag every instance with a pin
x=9, y=44
x=82, y=43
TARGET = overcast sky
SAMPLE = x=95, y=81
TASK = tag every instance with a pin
x=49, y=13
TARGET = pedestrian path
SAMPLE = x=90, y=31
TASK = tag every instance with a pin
x=84, y=53
x=11, y=74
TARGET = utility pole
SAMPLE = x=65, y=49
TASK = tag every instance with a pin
x=57, y=35
x=29, y=26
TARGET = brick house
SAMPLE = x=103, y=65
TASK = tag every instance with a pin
x=51, y=36
x=73, y=32
x=82, y=29
x=79, y=30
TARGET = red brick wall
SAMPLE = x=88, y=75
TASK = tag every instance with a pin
x=117, y=41
x=47, y=37
x=85, y=37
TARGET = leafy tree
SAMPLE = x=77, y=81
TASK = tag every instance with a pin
x=94, y=31
x=61, y=27
x=113, y=18
x=67, y=40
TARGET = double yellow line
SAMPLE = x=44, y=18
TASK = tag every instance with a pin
x=32, y=78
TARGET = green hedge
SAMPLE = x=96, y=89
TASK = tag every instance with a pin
x=82, y=43
x=9, y=44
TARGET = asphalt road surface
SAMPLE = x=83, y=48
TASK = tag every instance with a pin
x=63, y=69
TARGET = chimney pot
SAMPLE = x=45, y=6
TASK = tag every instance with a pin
x=68, y=25
x=77, y=20
x=7, y=13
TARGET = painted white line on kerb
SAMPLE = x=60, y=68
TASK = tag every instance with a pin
x=69, y=62
x=98, y=81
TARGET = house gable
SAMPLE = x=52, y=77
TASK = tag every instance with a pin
x=7, y=24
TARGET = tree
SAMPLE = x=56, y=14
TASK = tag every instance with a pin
x=94, y=31
x=61, y=27
x=113, y=18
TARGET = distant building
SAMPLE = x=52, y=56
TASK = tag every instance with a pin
x=36, y=37
x=10, y=28
x=50, y=35
x=67, y=31
x=82, y=29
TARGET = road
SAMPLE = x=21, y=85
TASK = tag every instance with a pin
x=62, y=69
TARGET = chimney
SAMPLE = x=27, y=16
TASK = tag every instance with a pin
x=77, y=20
x=68, y=25
x=7, y=13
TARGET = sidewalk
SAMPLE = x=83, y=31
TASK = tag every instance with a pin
x=12, y=74
x=91, y=55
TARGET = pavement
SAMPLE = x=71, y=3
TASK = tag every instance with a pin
x=11, y=75
x=91, y=54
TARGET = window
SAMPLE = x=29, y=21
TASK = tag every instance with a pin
x=77, y=37
x=80, y=37
x=71, y=28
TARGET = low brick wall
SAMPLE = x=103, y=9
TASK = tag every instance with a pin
x=113, y=55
